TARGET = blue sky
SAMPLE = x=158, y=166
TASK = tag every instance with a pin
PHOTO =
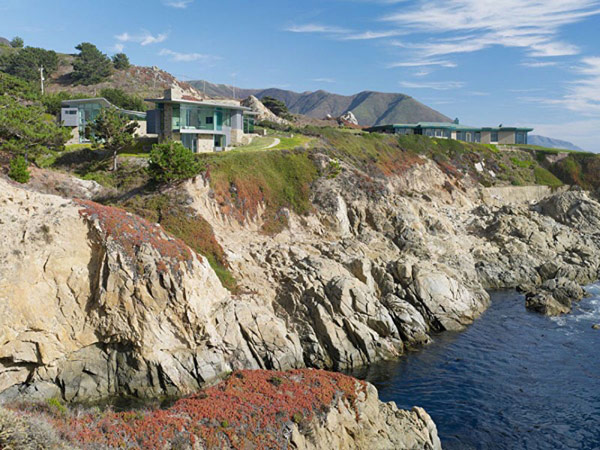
x=517, y=62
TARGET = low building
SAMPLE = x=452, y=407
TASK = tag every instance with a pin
x=77, y=114
x=454, y=130
x=201, y=125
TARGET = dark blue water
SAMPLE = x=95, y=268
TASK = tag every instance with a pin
x=513, y=380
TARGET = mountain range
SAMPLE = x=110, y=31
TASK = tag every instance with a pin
x=547, y=142
x=370, y=108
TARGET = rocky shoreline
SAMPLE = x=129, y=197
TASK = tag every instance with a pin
x=97, y=302
x=374, y=271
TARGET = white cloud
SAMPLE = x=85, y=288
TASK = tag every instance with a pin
x=317, y=28
x=435, y=85
x=472, y=25
x=370, y=35
x=536, y=64
x=180, y=4
x=118, y=48
x=187, y=57
x=423, y=64
x=323, y=80
x=144, y=38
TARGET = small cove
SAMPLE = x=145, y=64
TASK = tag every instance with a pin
x=512, y=380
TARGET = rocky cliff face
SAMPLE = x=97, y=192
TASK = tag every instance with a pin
x=97, y=302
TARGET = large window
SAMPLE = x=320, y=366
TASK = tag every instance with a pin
x=521, y=137
x=494, y=137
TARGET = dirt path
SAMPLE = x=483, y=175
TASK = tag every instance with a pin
x=275, y=143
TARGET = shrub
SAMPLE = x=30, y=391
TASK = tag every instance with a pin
x=18, y=170
x=120, y=98
x=171, y=161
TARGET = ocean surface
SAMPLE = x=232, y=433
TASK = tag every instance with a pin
x=512, y=380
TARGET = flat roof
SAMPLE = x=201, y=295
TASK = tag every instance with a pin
x=199, y=102
x=103, y=101
x=448, y=126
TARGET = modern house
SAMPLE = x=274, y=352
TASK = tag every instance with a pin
x=454, y=130
x=201, y=125
x=76, y=114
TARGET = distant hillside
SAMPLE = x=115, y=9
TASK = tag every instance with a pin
x=144, y=82
x=370, y=108
x=547, y=142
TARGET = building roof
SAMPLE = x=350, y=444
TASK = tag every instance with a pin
x=103, y=102
x=192, y=101
x=447, y=126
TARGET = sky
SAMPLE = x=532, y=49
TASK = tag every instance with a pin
x=516, y=62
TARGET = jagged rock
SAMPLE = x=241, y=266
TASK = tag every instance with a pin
x=574, y=208
x=263, y=113
x=554, y=297
x=349, y=118
x=596, y=326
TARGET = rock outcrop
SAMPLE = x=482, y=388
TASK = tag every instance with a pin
x=263, y=113
x=97, y=302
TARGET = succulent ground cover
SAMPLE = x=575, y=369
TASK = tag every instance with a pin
x=251, y=409
x=130, y=233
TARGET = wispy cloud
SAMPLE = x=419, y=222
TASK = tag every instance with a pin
x=435, y=85
x=426, y=63
x=118, y=48
x=144, y=38
x=180, y=4
x=323, y=80
x=472, y=25
x=187, y=57
x=317, y=28
x=343, y=34
x=536, y=64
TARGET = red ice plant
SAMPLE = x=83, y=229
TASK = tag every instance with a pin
x=131, y=232
x=251, y=409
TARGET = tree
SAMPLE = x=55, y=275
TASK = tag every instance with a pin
x=91, y=66
x=26, y=63
x=120, y=98
x=27, y=130
x=120, y=61
x=17, y=87
x=17, y=42
x=18, y=169
x=170, y=161
x=113, y=131
x=277, y=107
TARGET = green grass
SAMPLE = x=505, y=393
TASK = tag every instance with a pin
x=290, y=143
x=546, y=178
x=242, y=180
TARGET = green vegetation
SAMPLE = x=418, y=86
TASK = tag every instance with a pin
x=28, y=130
x=546, y=178
x=582, y=169
x=17, y=42
x=17, y=88
x=171, y=161
x=120, y=98
x=242, y=180
x=18, y=169
x=25, y=63
x=120, y=61
x=290, y=143
x=91, y=66
x=113, y=132
x=277, y=107
x=182, y=222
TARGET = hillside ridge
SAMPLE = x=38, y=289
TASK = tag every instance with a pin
x=369, y=107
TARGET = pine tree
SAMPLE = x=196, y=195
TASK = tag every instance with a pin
x=91, y=66
x=113, y=131
x=18, y=169
x=120, y=61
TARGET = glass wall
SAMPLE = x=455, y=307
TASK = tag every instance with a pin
x=248, y=125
